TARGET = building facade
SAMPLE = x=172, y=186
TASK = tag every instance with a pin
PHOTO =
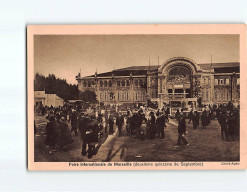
x=178, y=80
x=43, y=99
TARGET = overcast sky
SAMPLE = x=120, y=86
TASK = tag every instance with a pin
x=65, y=55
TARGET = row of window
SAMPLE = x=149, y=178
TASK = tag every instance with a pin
x=222, y=95
x=88, y=83
x=224, y=81
x=122, y=96
x=206, y=94
x=121, y=83
x=221, y=81
x=141, y=83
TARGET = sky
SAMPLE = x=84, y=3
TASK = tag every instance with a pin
x=67, y=55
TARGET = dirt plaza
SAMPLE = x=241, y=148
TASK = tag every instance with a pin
x=205, y=145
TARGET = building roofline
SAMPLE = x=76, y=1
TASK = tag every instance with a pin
x=139, y=70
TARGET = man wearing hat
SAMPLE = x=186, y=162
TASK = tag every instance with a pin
x=181, y=130
x=223, y=124
x=160, y=124
x=119, y=123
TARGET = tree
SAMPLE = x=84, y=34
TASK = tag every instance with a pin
x=53, y=85
x=88, y=96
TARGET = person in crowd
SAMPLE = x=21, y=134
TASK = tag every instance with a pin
x=135, y=123
x=51, y=132
x=143, y=129
x=181, y=130
x=195, y=119
x=167, y=113
x=83, y=126
x=128, y=127
x=208, y=118
x=74, y=122
x=223, y=124
x=204, y=119
x=43, y=110
x=111, y=123
x=100, y=124
x=232, y=126
x=106, y=120
x=152, y=125
x=65, y=136
x=237, y=122
x=177, y=115
x=35, y=128
x=160, y=125
x=58, y=115
x=190, y=116
x=119, y=123
x=65, y=113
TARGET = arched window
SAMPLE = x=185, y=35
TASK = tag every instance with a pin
x=123, y=83
x=127, y=83
x=105, y=84
x=93, y=83
x=89, y=84
x=101, y=83
x=110, y=84
x=179, y=73
x=84, y=84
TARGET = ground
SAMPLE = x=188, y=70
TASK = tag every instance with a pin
x=205, y=145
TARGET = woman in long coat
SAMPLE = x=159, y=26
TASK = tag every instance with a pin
x=51, y=132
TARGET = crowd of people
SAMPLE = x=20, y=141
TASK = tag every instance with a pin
x=141, y=123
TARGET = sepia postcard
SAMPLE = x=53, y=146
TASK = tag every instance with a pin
x=136, y=97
